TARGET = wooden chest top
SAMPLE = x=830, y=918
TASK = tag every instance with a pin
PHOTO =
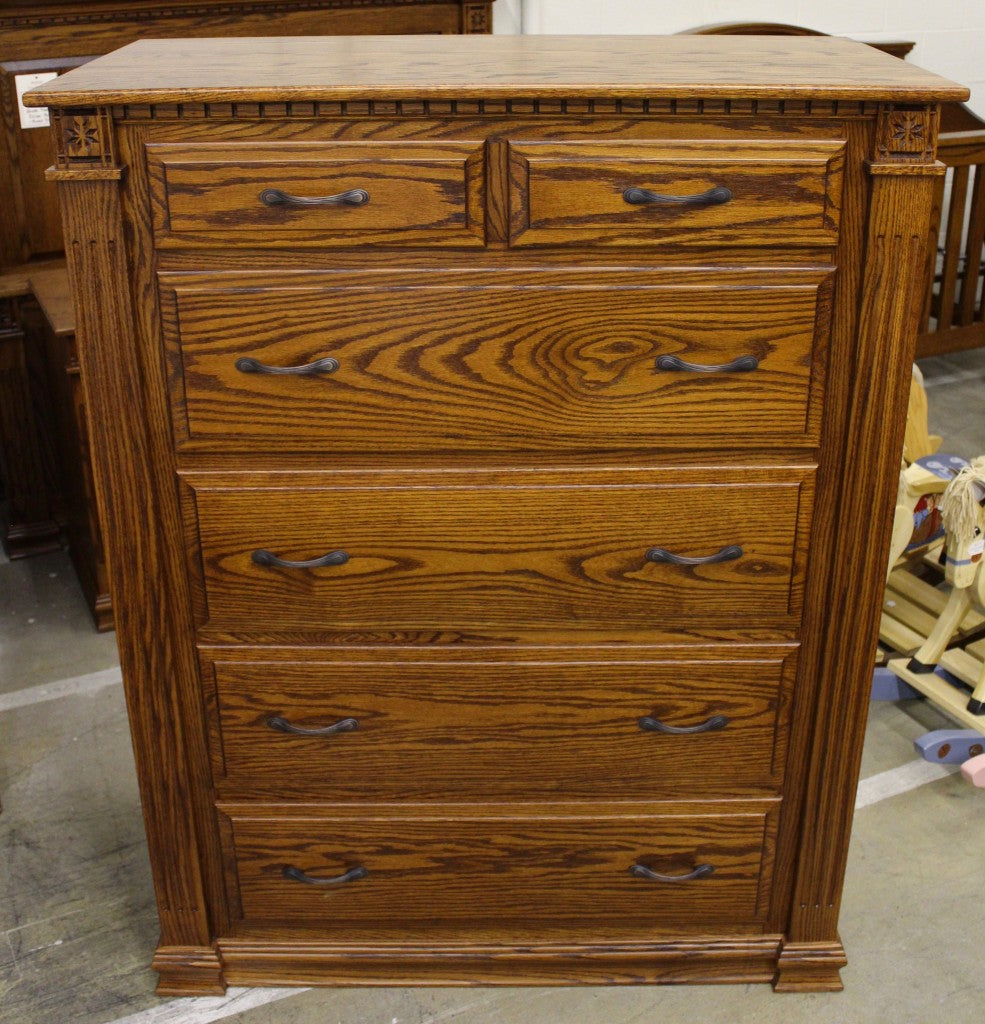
x=396, y=67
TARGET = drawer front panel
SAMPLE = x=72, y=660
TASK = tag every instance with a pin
x=437, y=557
x=392, y=729
x=541, y=361
x=414, y=194
x=706, y=192
x=467, y=871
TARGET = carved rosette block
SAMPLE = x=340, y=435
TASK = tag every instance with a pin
x=84, y=139
x=907, y=135
x=476, y=18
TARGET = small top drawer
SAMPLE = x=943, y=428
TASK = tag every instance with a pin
x=317, y=194
x=639, y=193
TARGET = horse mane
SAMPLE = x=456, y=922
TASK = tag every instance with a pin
x=961, y=502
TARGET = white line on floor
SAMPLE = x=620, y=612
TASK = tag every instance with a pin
x=899, y=780
x=62, y=688
x=205, y=1009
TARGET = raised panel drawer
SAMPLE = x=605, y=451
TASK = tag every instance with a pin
x=415, y=194
x=469, y=869
x=486, y=550
x=519, y=360
x=702, y=191
x=566, y=723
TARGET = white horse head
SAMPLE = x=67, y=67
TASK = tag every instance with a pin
x=963, y=514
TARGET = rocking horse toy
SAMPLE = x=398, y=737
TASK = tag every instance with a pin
x=945, y=675
x=912, y=604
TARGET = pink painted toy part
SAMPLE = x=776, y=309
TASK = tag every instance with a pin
x=974, y=770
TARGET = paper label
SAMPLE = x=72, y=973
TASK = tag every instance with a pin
x=32, y=117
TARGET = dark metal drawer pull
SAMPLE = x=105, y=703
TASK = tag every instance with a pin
x=741, y=365
x=642, y=871
x=728, y=554
x=268, y=558
x=283, y=725
x=650, y=724
x=247, y=364
x=275, y=197
x=352, y=875
x=713, y=197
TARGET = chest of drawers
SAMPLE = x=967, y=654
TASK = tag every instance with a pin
x=496, y=445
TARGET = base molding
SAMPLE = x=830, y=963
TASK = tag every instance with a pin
x=740, y=960
x=189, y=971
x=810, y=967
x=24, y=540
x=791, y=967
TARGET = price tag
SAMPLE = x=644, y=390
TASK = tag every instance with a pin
x=32, y=117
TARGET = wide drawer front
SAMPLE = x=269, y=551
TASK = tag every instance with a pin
x=597, y=868
x=619, y=550
x=651, y=193
x=503, y=360
x=318, y=194
x=386, y=729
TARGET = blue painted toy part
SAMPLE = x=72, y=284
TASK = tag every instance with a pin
x=887, y=685
x=944, y=467
x=950, y=746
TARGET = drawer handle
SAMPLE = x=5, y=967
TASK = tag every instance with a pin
x=250, y=365
x=352, y=875
x=741, y=365
x=268, y=558
x=283, y=725
x=650, y=724
x=275, y=197
x=642, y=871
x=713, y=197
x=727, y=554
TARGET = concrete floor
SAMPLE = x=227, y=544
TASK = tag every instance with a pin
x=77, y=922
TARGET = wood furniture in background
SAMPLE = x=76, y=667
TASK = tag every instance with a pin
x=33, y=524
x=773, y=28
x=51, y=37
x=506, y=612
x=55, y=330
x=953, y=317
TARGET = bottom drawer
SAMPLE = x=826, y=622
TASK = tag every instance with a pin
x=684, y=869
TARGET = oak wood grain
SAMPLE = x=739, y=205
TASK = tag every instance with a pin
x=484, y=728
x=886, y=334
x=504, y=958
x=518, y=561
x=261, y=70
x=462, y=871
x=453, y=361
x=481, y=554
x=155, y=654
x=421, y=194
x=781, y=192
